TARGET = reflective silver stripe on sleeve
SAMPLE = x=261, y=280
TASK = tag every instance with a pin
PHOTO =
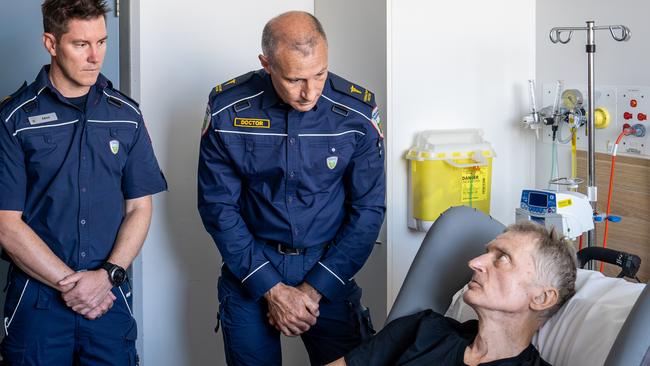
x=252, y=273
x=333, y=274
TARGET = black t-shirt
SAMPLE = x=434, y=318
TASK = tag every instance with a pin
x=428, y=338
x=79, y=102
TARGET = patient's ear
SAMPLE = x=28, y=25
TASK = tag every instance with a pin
x=545, y=298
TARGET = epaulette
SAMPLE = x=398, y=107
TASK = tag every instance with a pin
x=6, y=99
x=232, y=82
x=355, y=91
x=128, y=98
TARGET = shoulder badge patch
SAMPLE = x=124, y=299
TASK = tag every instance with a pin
x=206, y=120
x=376, y=121
x=357, y=92
x=232, y=82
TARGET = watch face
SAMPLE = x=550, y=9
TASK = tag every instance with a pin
x=118, y=276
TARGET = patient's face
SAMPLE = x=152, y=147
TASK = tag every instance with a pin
x=504, y=277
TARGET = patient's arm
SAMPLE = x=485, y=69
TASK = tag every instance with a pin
x=387, y=346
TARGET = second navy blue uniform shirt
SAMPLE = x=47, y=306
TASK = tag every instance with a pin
x=269, y=174
x=69, y=169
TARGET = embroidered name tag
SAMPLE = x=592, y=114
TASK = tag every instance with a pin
x=252, y=122
x=43, y=118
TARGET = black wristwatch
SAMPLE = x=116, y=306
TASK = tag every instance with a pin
x=116, y=274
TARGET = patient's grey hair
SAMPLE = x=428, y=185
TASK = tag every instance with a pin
x=304, y=43
x=555, y=261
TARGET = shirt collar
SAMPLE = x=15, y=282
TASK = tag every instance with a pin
x=43, y=81
x=270, y=97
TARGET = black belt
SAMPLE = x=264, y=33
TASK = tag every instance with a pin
x=287, y=250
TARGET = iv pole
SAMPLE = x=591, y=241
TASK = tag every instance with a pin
x=556, y=36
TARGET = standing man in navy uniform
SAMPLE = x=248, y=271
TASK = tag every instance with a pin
x=77, y=172
x=292, y=190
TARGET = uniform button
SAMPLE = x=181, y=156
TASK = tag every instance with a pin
x=83, y=189
x=296, y=230
x=333, y=149
x=83, y=157
x=83, y=254
x=83, y=222
x=292, y=174
x=289, y=199
x=292, y=140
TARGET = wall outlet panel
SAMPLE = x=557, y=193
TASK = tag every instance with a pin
x=635, y=103
x=618, y=100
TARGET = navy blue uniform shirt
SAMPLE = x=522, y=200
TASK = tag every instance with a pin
x=269, y=174
x=69, y=170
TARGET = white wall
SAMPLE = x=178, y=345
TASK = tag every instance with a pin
x=616, y=63
x=457, y=65
x=356, y=31
x=185, y=50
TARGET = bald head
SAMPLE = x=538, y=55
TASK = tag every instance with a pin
x=296, y=31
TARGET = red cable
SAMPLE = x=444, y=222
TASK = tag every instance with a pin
x=611, y=188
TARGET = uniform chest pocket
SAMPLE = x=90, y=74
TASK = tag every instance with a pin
x=327, y=157
x=257, y=157
x=47, y=146
x=111, y=144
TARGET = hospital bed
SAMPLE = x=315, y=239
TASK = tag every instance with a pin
x=606, y=323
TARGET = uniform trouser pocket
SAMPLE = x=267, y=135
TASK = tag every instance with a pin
x=340, y=327
x=366, y=329
x=124, y=294
x=248, y=338
x=15, y=295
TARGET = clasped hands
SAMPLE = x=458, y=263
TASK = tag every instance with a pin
x=292, y=310
x=88, y=293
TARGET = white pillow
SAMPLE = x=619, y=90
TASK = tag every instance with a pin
x=584, y=330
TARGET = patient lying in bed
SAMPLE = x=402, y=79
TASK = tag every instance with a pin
x=523, y=278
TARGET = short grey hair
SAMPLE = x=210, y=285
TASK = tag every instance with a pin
x=271, y=38
x=555, y=261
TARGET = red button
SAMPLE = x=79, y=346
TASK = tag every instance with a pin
x=633, y=103
x=641, y=117
x=628, y=115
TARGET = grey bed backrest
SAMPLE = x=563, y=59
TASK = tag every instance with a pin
x=632, y=345
x=440, y=266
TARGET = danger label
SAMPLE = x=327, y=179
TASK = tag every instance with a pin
x=474, y=184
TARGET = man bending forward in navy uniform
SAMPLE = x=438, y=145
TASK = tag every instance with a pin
x=291, y=188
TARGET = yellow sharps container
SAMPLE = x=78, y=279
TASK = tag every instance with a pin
x=448, y=168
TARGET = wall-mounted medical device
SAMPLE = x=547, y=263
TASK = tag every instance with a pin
x=569, y=213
